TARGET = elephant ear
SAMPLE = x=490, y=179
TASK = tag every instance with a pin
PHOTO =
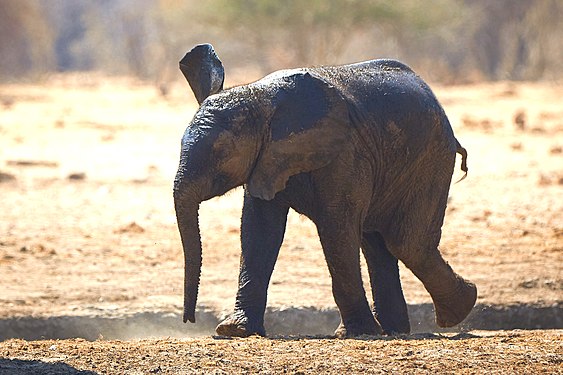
x=309, y=127
x=203, y=71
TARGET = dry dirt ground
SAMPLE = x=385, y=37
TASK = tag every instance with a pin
x=501, y=352
x=88, y=239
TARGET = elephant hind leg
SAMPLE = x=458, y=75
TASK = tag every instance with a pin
x=453, y=296
x=414, y=237
x=452, y=309
x=390, y=307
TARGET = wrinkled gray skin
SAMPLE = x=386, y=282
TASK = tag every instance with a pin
x=364, y=150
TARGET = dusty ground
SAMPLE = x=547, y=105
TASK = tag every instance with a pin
x=87, y=228
x=525, y=352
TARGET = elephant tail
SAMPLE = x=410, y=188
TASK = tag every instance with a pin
x=463, y=152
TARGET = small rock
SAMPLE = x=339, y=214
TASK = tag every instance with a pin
x=538, y=130
x=520, y=232
x=78, y=176
x=6, y=177
x=130, y=228
x=520, y=120
x=516, y=146
x=528, y=284
x=33, y=163
x=544, y=180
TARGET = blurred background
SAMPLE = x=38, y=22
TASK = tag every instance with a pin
x=446, y=41
x=93, y=107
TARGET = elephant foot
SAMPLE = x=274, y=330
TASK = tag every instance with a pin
x=238, y=325
x=358, y=327
x=453, y=309
x=393, y=324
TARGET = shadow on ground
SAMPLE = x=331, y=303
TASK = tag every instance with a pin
x=301, y=321
x=33, y=367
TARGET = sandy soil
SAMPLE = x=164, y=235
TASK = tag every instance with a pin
x=87, y=225
x=524, y=352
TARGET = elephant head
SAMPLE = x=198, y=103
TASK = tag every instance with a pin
x=258, y=134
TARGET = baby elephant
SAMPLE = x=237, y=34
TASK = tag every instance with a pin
x=363, y=150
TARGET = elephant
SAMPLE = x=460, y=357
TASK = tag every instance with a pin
x=364, y=150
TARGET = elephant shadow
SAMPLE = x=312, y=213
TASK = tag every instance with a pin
x=23, y=366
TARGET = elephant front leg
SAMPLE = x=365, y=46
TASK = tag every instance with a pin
x=342, y=252
x=390, y=307
x=262, y=231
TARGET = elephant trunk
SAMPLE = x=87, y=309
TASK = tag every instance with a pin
x=187, y=215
